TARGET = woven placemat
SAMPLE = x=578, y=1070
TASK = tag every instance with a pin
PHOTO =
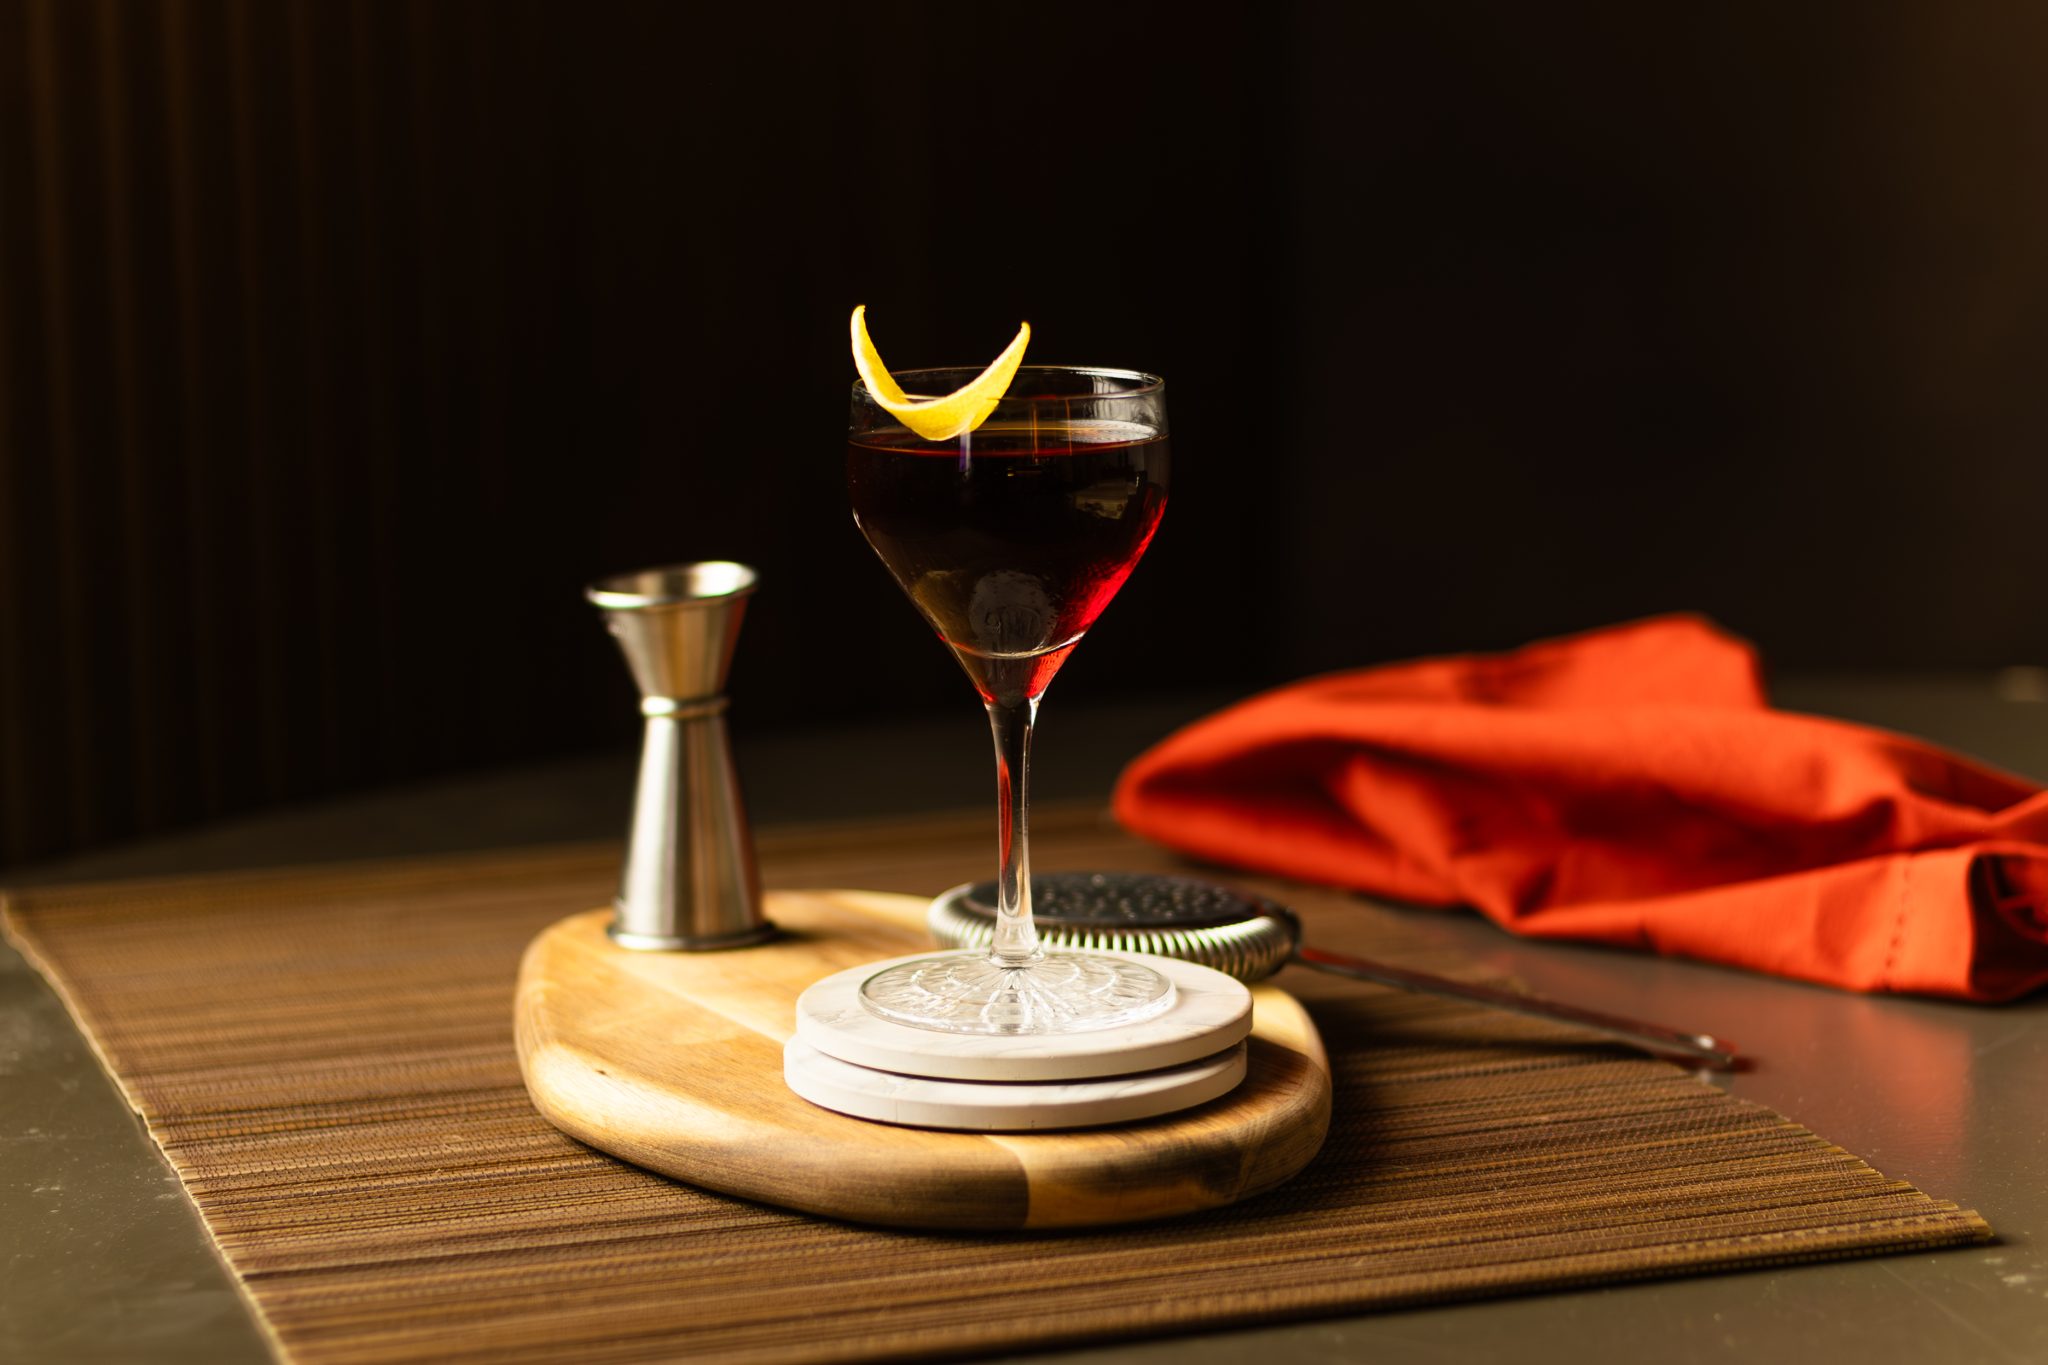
x=325, y=1056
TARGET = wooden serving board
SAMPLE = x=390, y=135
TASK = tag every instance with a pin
x=673, y=1061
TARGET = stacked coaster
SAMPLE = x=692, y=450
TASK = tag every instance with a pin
x=847, y=1059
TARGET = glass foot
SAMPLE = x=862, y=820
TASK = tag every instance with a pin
x=1057, y=993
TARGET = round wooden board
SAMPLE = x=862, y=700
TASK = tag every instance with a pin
x=673, y=1061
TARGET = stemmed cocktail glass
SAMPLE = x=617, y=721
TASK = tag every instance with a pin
x=1011, y=539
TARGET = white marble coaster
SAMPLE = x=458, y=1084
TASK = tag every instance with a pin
x=1210, y=1012
x=1006, y=1106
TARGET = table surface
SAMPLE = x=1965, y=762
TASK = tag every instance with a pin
x=104, y=1260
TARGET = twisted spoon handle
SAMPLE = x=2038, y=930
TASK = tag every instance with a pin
x=1715, y=1052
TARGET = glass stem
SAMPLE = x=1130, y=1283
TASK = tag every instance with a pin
x=1016, y=940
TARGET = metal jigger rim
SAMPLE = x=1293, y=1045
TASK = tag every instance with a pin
x=625, y=592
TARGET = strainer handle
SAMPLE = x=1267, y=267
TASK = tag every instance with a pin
x=1717, y=1053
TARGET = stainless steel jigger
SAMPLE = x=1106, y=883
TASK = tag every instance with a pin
x=689, y=881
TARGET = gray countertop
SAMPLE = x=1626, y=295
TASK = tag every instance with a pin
x=104, y=1260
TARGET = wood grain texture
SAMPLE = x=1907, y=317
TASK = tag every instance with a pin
x=674, y=1062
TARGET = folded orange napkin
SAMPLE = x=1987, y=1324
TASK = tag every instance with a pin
x=1629, y=786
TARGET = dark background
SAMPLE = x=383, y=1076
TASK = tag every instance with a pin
x=340, y=344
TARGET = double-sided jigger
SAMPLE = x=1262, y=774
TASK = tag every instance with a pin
x=846, y=1058
x=689, y=880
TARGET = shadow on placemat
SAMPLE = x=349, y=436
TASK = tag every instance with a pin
x=326, y=1058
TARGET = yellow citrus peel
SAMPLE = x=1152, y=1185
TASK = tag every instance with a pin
x=937, y=419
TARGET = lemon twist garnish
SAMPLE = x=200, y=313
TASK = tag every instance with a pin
x=937, y=419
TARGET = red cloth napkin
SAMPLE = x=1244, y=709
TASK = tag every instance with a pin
x=1630, y=786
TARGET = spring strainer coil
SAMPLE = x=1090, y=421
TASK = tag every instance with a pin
x=1128, y=913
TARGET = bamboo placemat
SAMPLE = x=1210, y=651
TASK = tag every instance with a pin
x=325, y=1056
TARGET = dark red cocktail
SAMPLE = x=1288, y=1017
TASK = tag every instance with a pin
x=1012, y=546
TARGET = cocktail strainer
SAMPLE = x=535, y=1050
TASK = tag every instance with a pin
x=1247, y=937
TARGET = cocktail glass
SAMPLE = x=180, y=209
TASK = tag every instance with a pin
x=1011, y=539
